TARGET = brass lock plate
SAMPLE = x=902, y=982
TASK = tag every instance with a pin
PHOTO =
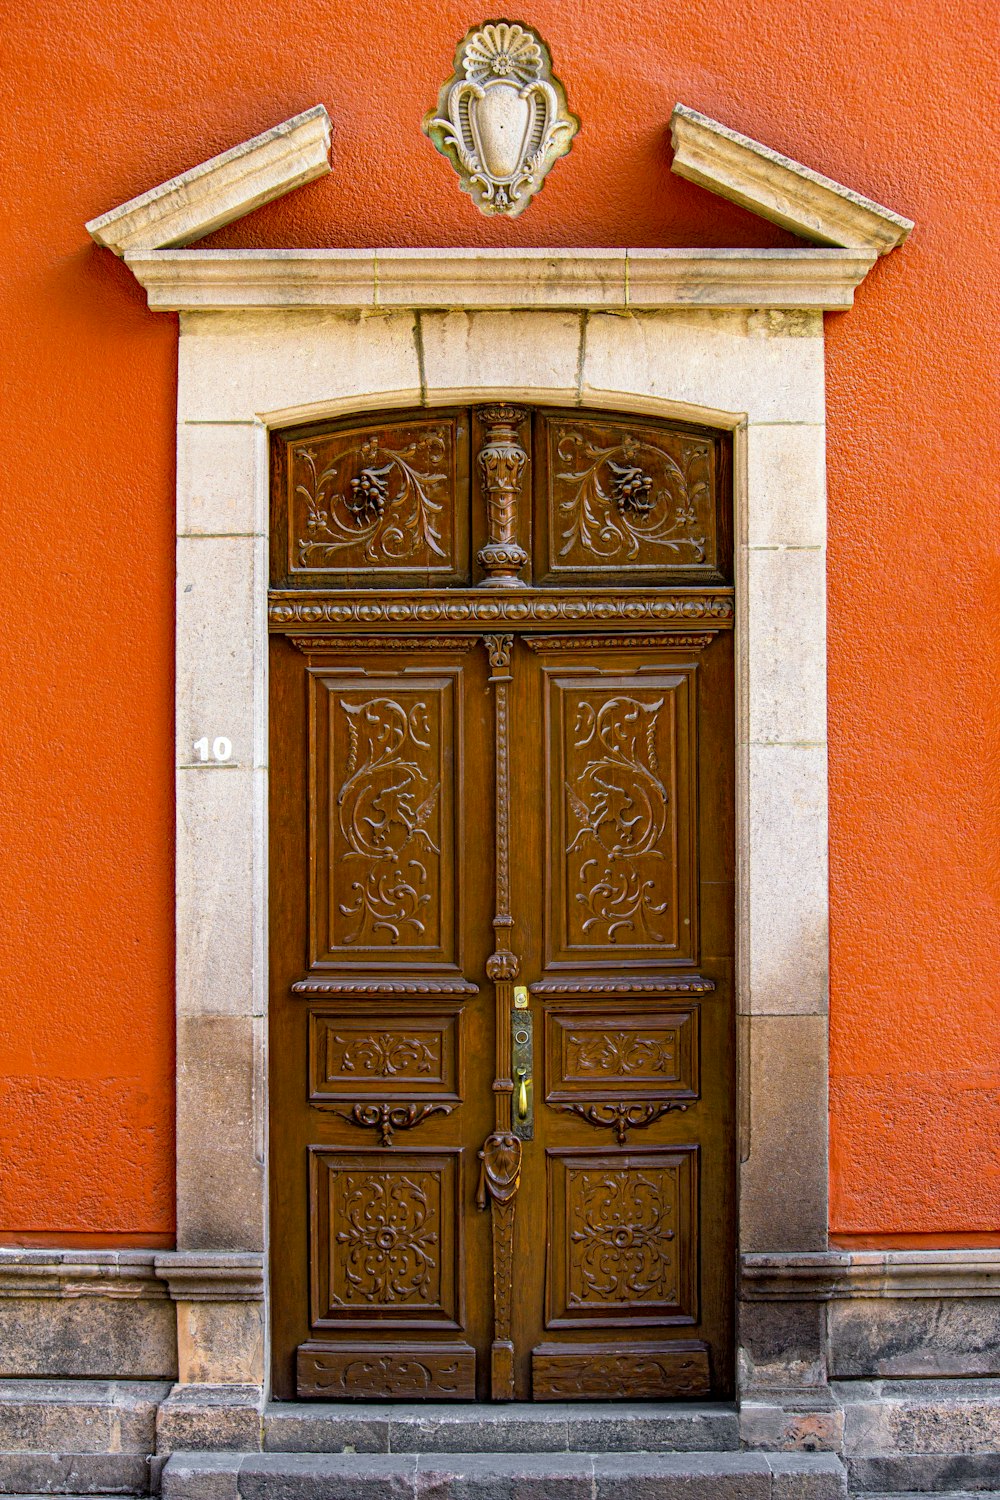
x=522, y=1058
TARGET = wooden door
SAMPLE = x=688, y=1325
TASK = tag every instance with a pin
x=501, y=909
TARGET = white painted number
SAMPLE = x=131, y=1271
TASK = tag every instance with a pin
x=222, y=749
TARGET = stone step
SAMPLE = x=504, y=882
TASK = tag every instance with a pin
x=61, y=1473
x=504, y=1476
x=336, y=1427
x=921, y=1436
x=77, y=1437
x=928, y=1474
x=79, y=1416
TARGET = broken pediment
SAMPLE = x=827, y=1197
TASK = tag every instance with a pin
x=224, y=188
x=778, y=188
x=852, y=229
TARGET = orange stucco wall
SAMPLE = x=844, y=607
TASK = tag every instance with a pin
x=110, y=99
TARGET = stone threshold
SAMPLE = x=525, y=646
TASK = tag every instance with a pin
x=557, y=1427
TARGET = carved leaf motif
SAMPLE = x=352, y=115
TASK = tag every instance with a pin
x=389, y=1237
x=389, y=509
x=618, y=1054
x=385, y=1055
x=620, y=1234
x=669, y=1375
x=392, y=1375
x=612, y=508
x=387, y=809
x=387, y=1118
x=621, y=1117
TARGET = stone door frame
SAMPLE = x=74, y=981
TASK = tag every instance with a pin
x=244, y=371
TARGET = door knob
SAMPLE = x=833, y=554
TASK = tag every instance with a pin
x=522, y=1093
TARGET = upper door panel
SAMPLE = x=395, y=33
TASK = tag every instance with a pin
x=502, y=496
x=383, y=503
x=626, y=497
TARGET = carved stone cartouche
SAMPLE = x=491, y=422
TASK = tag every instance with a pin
x=501, y=118
x=502, y=462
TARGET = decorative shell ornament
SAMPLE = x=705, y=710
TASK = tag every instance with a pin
x=502, y=118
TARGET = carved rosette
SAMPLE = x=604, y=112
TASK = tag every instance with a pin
x=502, y=462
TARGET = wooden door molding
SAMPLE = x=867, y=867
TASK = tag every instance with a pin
x=757, y=374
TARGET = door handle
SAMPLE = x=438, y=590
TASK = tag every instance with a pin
x=522, y=1062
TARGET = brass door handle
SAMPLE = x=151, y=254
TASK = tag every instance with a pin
x=522, y=1064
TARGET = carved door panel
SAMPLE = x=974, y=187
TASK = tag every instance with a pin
x=501, y=952
x=621, y=795
x=381, y=1049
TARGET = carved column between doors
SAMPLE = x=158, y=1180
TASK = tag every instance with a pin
x=501, y=1154
x=502, y=462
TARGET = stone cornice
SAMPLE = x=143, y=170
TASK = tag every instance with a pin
x=184, y=1275
x=222, y=189
x=125, y=1274
x=212, y=1275
x=778, y=188
x=615, y=280
x=825, y=1275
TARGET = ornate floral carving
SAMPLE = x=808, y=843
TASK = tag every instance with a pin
x=386, y=1118
x=619, y=1054
x=389, y=1238
x=465, y=608
x=389, y=507
x=387, y=809
x=612, y=508
x=621, y=1117
x=389, y=1375
x=502, y=462
x=405, y=1370
x=617, y=814
x=620, y=1236
x=384, y=1054
x=501, y=118
x=664, y=1371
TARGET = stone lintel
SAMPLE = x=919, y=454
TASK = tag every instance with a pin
x=598, y=280
x=778, y=188
x=212, y=1275
x=221, y=189
x=827, y=1275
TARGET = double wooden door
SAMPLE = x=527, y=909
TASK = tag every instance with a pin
x=501, y=1066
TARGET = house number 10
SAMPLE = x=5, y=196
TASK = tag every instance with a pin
x=221, y=749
